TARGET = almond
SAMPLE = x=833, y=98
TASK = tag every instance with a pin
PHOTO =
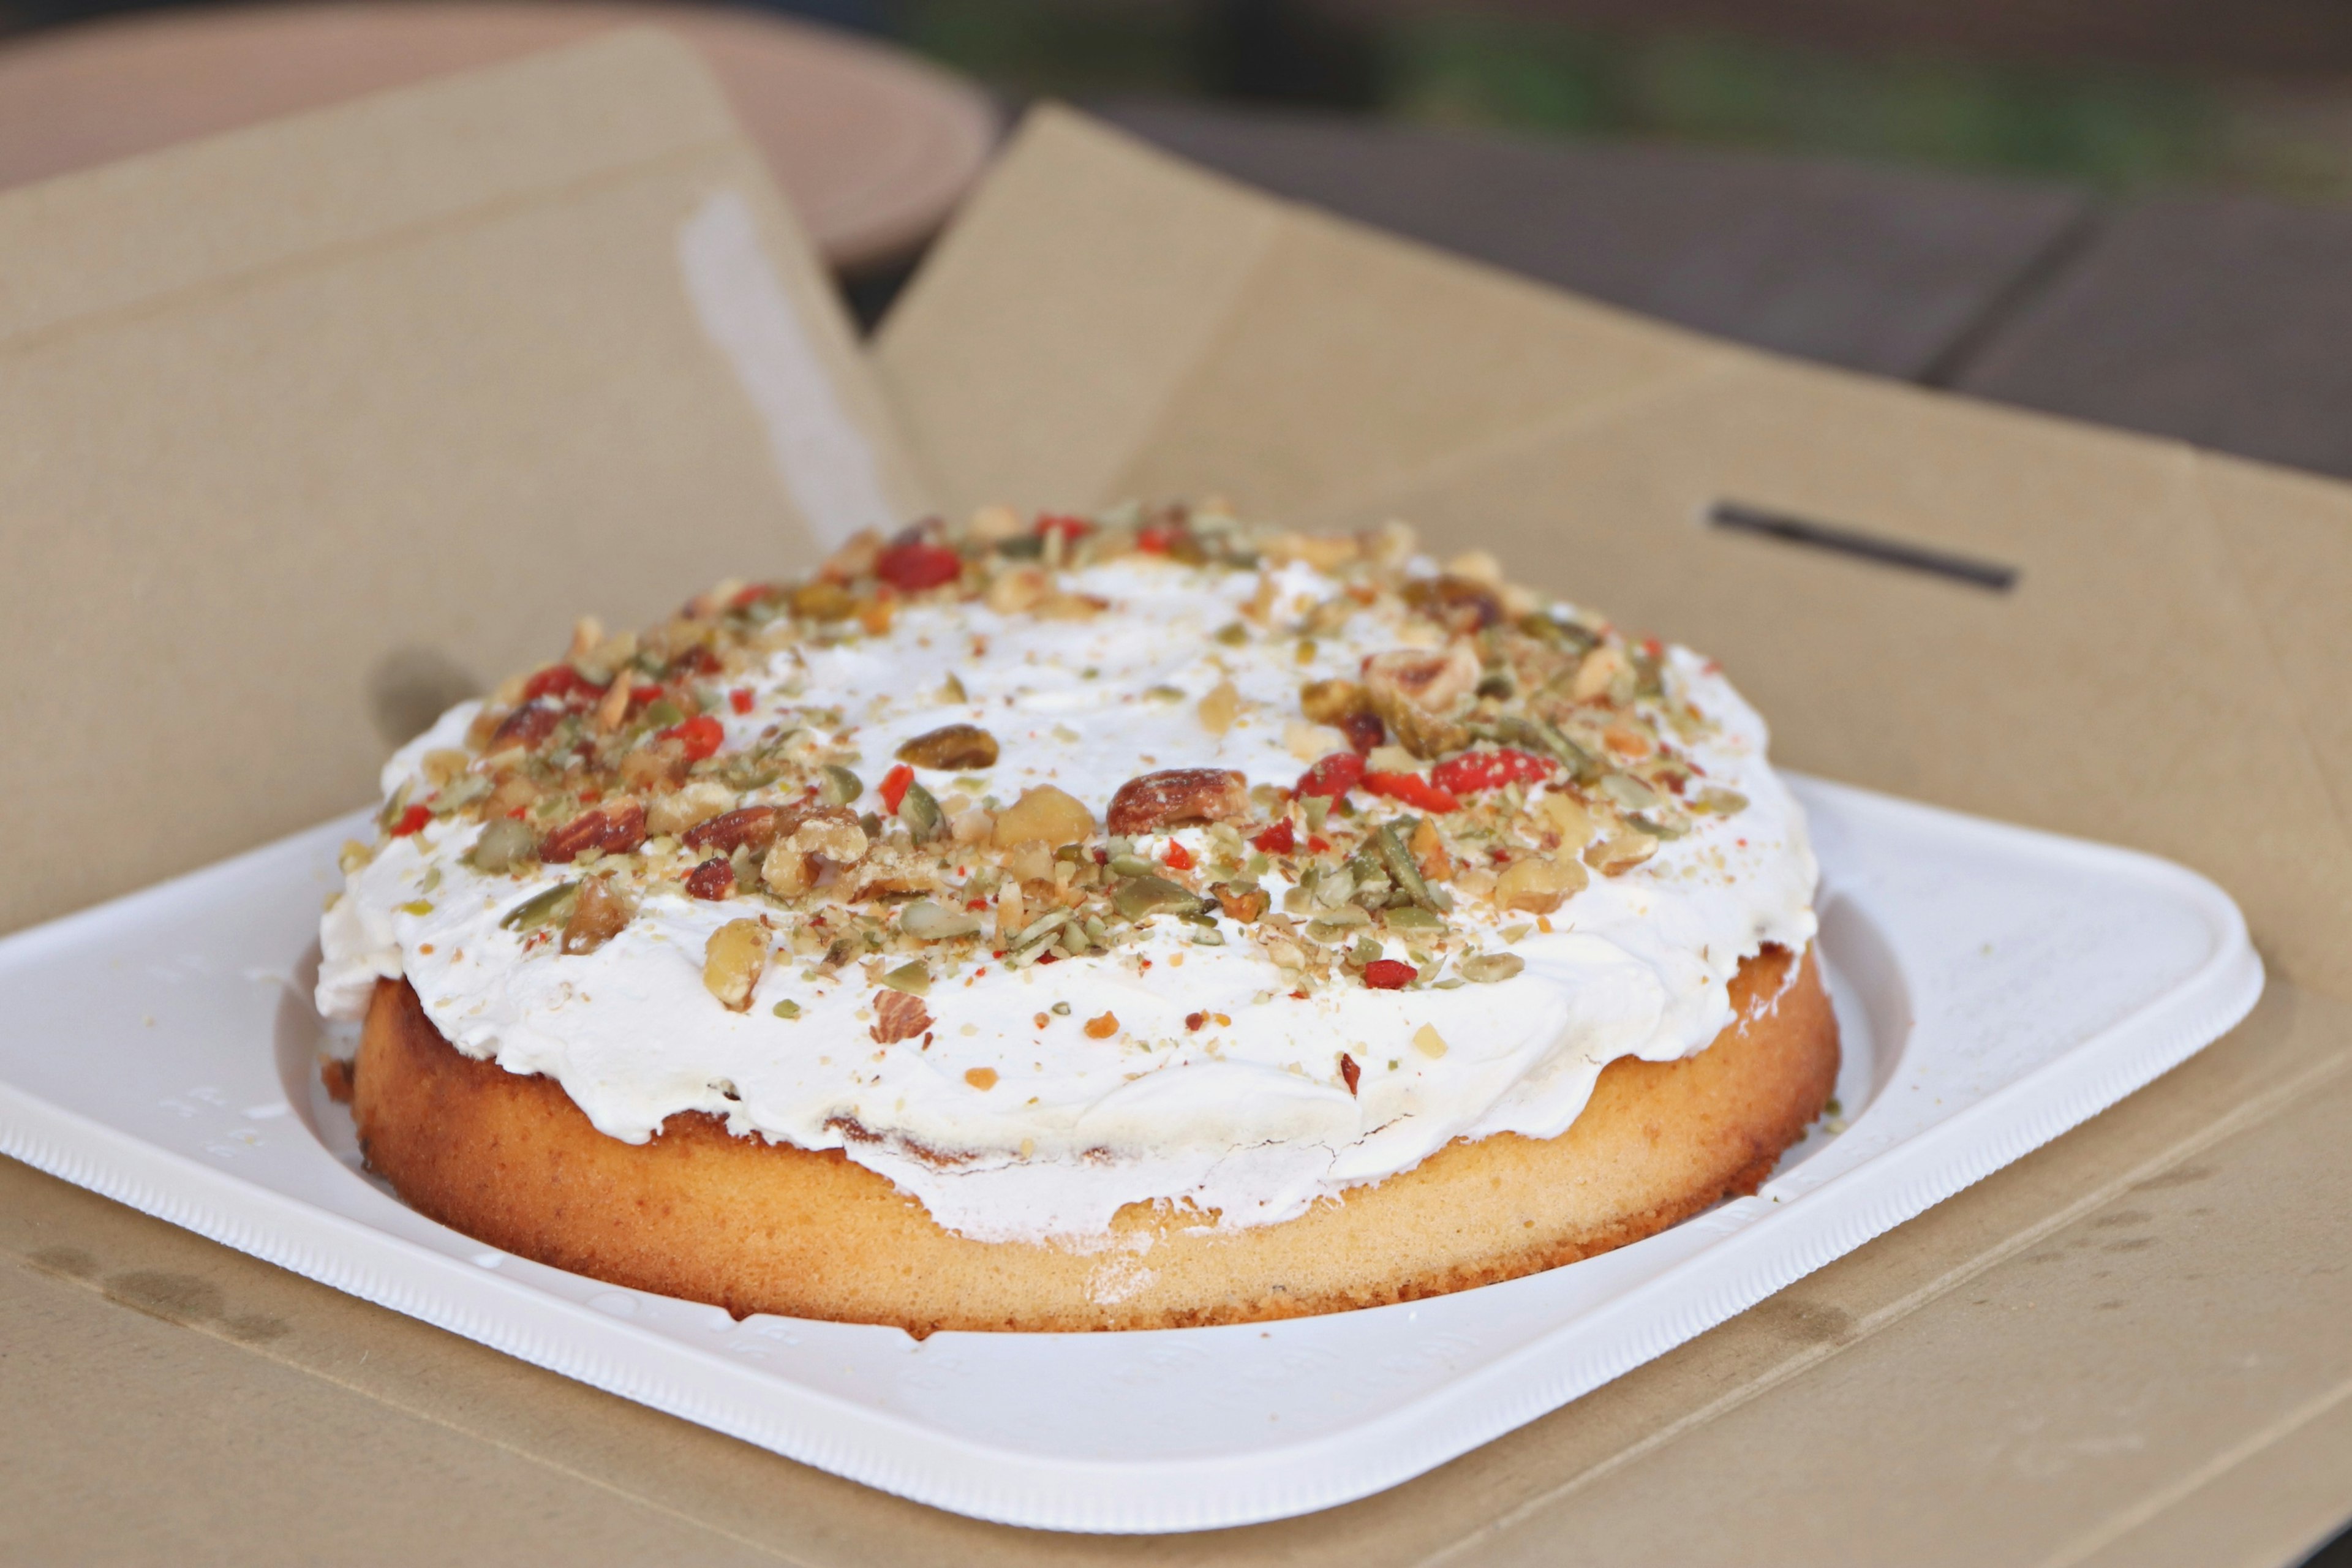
x=1173, y=796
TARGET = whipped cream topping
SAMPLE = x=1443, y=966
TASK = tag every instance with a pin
x=1018, y=1115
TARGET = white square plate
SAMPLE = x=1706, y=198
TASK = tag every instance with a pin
x=1995, y=986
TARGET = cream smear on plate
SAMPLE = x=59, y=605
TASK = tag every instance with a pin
x=1215, y=1087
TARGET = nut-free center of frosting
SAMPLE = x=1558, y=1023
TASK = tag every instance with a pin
x=1019, y=1113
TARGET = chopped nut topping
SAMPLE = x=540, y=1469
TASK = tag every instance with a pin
x=732, y=961
x=615, y=828
x=949, y=747
x=1176, y=795
x=1490, y=761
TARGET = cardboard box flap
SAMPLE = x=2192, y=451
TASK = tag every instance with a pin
x=1093, y=297
x=2000, y=612
x=316, y=427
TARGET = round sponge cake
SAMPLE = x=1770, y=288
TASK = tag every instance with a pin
x=755, y=1226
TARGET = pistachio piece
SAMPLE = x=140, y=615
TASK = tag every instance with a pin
x=920, y=810
x=836, y=785
x=926, y=922
x=543, y=908
x=504, y=844
x=1140, y=896
x=1486, y=968
x=953, y=748
x=1402, y=868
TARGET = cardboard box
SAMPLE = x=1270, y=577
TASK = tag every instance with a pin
x=427, y=373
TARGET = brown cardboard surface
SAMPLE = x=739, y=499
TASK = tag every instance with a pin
x=2165, y=673
x=2125, y=1347
x=314, y=427
x=1973, y=1387
x=2130, y=688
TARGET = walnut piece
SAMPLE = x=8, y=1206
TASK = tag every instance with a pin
x=616, y=826
x=754, y=828
x=806, y=834
x=732, y=961
x=1539, y=884
x=1043, y=815
x=1417, y=695
x=597, y=917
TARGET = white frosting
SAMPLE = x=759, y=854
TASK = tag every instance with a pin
x=1250, y=1118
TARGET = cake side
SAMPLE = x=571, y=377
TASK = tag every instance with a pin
x=753, y=1227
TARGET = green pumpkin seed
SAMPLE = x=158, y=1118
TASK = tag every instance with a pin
x=836, y=785
x=504, y=844
x=547, y=907
x=1490, y=967
x=1403, y=866
x=1140, y=896
x=914, y=979
x=926, y=922
x=921, y=814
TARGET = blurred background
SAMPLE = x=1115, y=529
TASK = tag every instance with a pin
x=2135, y=212
x=2122, y=96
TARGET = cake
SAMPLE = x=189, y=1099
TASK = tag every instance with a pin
x=1131, y=921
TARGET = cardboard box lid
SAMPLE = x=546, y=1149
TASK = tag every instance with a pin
x=316, y=426
x=1105, y=321
x=2105, y=1353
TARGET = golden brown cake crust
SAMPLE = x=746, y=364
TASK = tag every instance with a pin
x=759, y=1227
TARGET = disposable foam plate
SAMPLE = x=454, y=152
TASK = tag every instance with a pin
x=1995, y=988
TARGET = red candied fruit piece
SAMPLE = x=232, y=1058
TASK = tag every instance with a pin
x=563, y=683
x=739, y=699
x=1412, y=790
x=1276, y=840
x=893, y=786
x=1334, y=775
x=1179, y=858
x=1154, y=540
x=1389, y=974
x=412, y=820
x=1364, y=731
x=916, y=565
x=713, y=879
x=1474, y=771
x=1069, y=528
x=700, y=736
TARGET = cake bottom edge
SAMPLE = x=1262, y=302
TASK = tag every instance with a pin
x=752, y=1226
